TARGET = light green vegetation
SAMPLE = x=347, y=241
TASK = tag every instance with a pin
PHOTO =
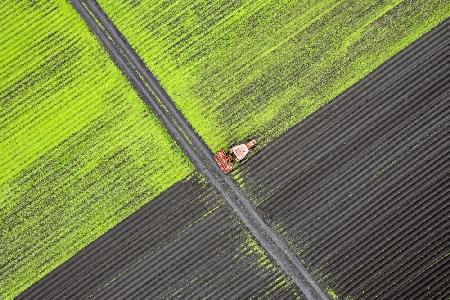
x=331, y=293
x=251, y=247
x=79, y=151
x=255, y=68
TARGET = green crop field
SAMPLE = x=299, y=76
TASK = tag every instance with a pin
x=255, y=68
x=79, y=151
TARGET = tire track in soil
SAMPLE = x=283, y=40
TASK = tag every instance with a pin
x=152, y=94
x=146, y=255
x=360, y=189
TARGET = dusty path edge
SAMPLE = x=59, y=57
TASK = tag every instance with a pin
x=153, y=95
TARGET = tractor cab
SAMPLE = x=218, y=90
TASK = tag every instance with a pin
x=234, y=154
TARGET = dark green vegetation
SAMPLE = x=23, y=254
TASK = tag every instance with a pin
x=361, y=188
x=240, y=68
x=79, y=151
x=185, y=244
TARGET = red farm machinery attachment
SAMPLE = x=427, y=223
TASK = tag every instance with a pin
x=226, y=159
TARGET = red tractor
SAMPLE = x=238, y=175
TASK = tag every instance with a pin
x=226, y=159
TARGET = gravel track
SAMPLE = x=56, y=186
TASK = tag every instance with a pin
x=361, y=188
x=152, y=94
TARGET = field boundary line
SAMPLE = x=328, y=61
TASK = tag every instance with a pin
x=149, y=89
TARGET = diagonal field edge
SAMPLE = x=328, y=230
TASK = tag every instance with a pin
x=153, y=95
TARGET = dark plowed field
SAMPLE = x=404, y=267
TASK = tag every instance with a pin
x=361, y=188
x=184, y=244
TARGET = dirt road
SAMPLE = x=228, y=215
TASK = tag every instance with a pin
x=152, y=94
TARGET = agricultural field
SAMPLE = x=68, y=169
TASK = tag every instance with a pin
x=186, y=244
x=256, y=68
x=79, y=151
x=360, y=189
